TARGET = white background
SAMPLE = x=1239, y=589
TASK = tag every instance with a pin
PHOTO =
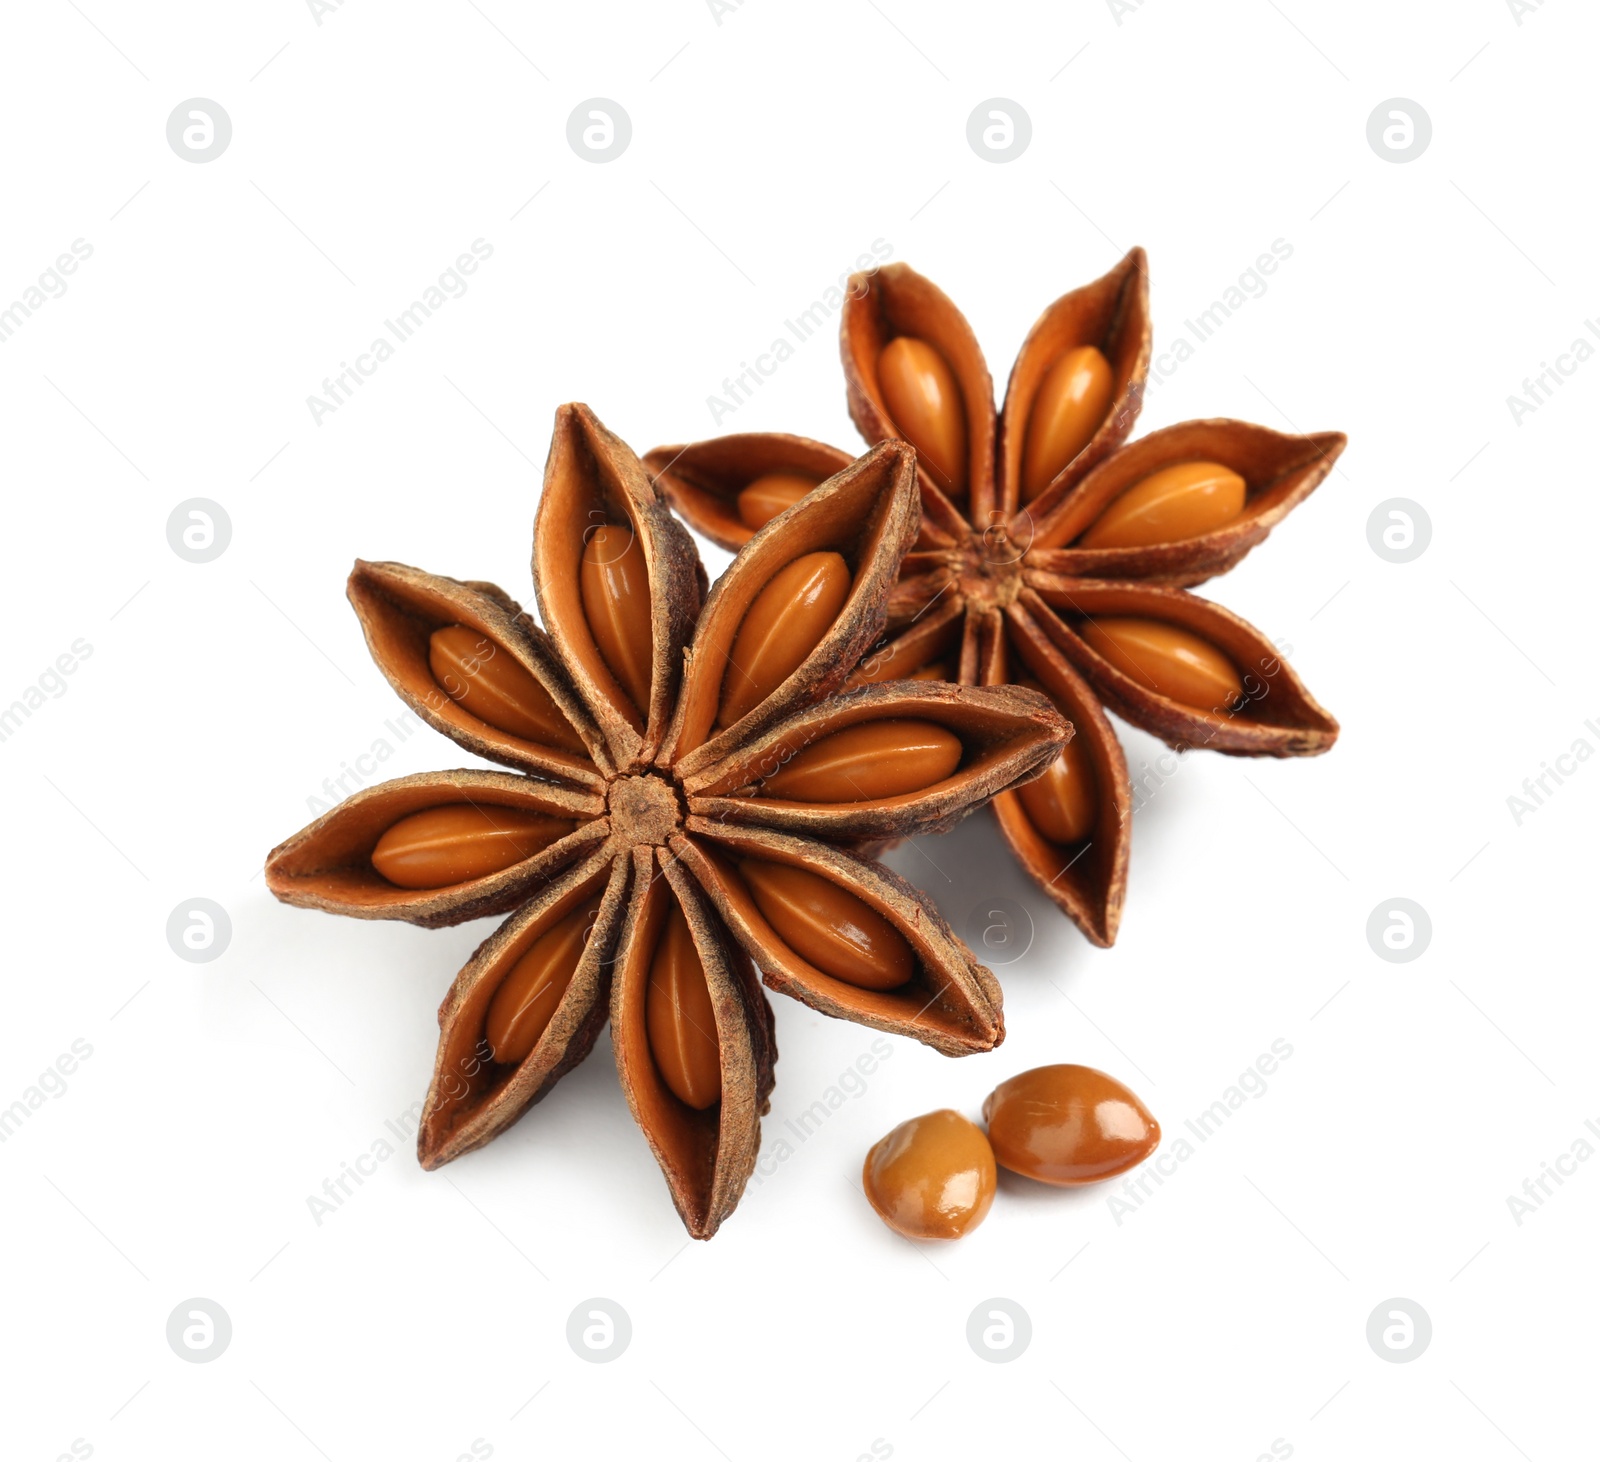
x=368, y=151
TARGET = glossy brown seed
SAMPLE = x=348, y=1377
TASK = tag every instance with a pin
x=481, y=677
x=829, y=927
x=1178, y=502
x=925, y=404
x=1072, y=402
x=679, y=1019
x=462, y=841
x=785, y=624
x=868, y=762
x=616, y=602
x=932, y=1177
x=898, y=661
x=1067, y=1125
x=1167, y=660
x=1061, y=804
x=772, y=493
x=532, y=989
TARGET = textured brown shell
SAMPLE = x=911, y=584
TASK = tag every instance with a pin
x=399, y=607
x=953, y=1003
x=868, y=514
x=592, y=477
x=707, y=1157
x=1113, y=314
x=1282, y=718
x=1009, y=737
x=622, y=811
x=1028, y=625
x=328, y=865
x=703, y=480
x=1280, y=472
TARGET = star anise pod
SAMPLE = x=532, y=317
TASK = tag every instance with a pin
x=685, y=772
x=1050, y=553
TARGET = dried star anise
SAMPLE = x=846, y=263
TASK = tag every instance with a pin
x=1051, y=554
x=686, y=772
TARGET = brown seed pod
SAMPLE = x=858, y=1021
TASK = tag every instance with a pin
x=630, y=904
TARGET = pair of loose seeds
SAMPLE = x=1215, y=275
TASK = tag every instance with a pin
x=934, y=1177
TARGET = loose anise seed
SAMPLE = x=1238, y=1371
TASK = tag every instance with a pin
x=1067, y=1125
x=679, y=1020
x=785, y=624
x=529, y=994
x=932, y=1177
x=761, y=500
x=925, y=403
x=481, y=677
x=1072, y=402
x=1062, y=803
x=1178, y=502
x=868, y=762
x=830, y=927
x=462, y=841
x=616, y=602
x=1168, y=660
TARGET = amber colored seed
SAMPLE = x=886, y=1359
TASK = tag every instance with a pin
x=616, y=602
x=1167, y=660
x=1072, y=402
x=1178, y=502
x=529, y=994
x=868, y=762
x=761, y=500
x=925, y=404
x=932, y=1177
x=462, y=841
x=481, y=677
x=829, y=927
x=901, y=660
x=1067, y=1125
x=785, y=624
x=1061, y=804
x=679, y=1019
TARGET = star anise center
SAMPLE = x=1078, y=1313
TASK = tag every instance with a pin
x=988, y=567
x=644, y=809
